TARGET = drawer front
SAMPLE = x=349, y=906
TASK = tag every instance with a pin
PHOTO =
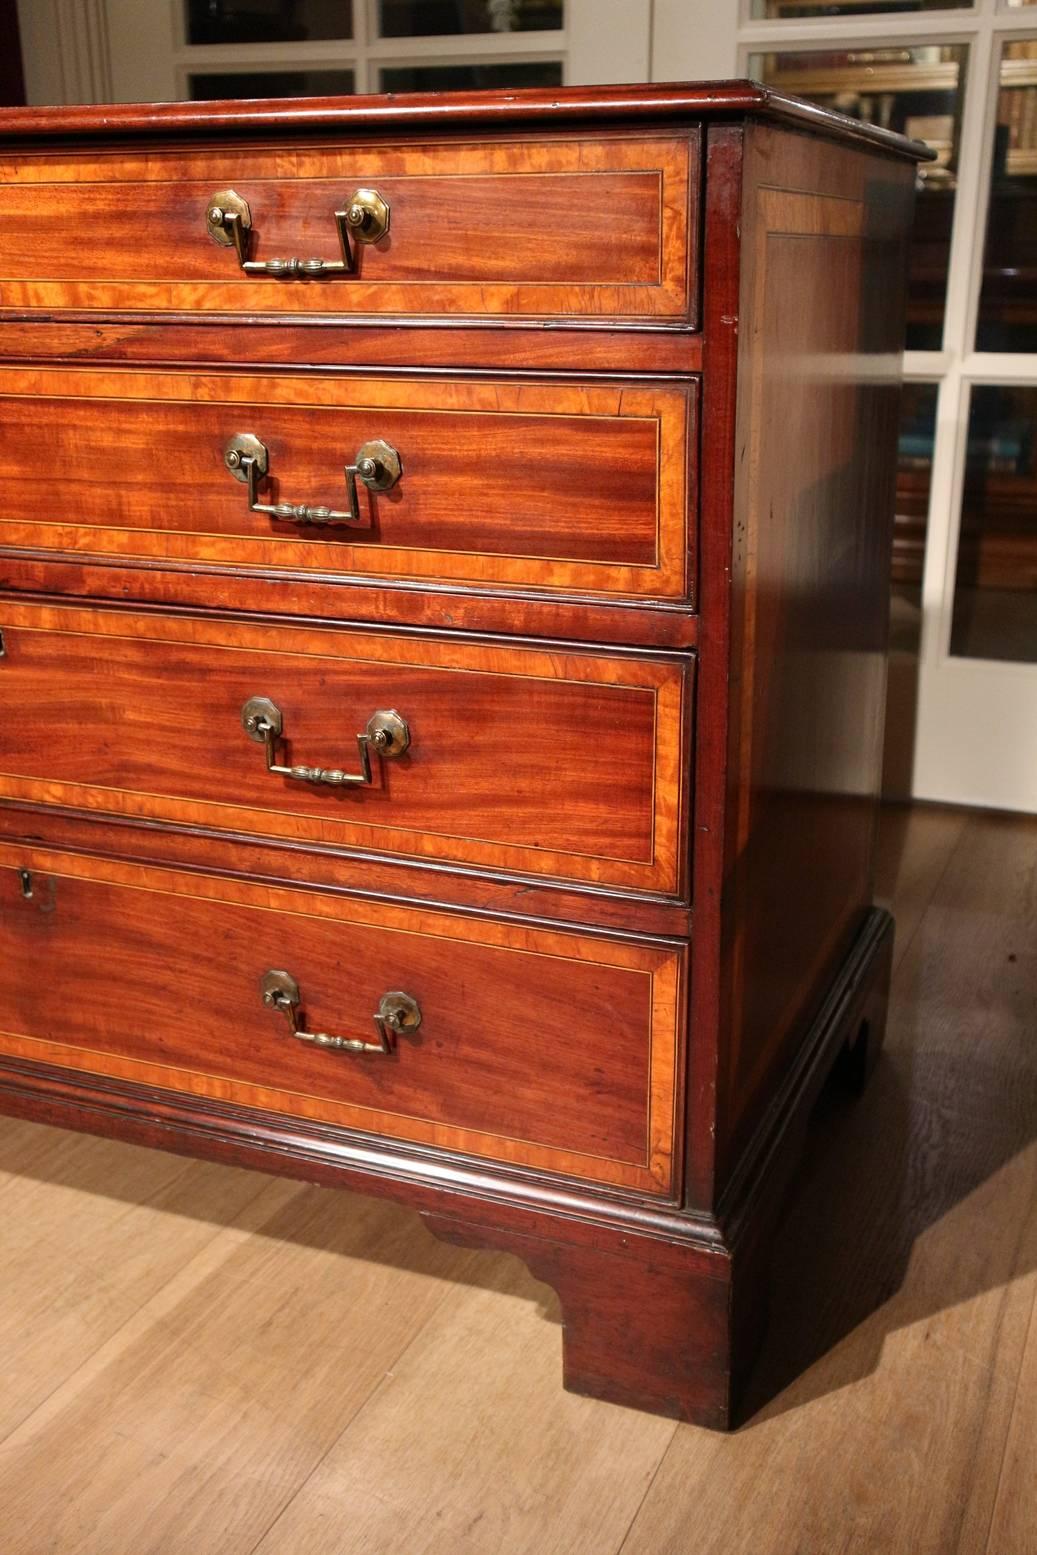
x=592, y=227
x=543, y=1048
x=581, y=488
x=551, y=761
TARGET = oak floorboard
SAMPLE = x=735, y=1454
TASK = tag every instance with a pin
x=191, y=1429
x=915, y=845
x=91, y=1229
x=470, y=1445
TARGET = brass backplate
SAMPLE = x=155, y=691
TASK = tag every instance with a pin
x=225, y=203
x=368, y=215
x=388, y=732
x=245, y=445
x=400, y=1011
x=279, y=988
x=388, y=468
x=261, y=719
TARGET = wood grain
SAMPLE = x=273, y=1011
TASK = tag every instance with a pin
x=547, y=345
x=574, y=487
x=362, y=875
x=269, y=1346
x=597, y=226
x=507, y=1485
x=141, y=716
x=402, y=112
x=82, y=1209
x=508, y=1062
x=822, y=283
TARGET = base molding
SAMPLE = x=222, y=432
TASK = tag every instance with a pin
x=663, y=1307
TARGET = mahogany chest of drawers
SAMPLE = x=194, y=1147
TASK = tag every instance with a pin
x=443, y=594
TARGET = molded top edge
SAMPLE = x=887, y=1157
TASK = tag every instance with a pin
x=417, y=111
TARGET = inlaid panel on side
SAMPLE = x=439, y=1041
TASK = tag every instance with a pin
x=819, y=377
x=553, y=761
x=537, y=1047
x=559, y=485
x=596, y=226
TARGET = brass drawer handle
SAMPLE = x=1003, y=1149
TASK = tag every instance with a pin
x=377, y=465
x=365, y=219
x=386, y=731
x=397, y=1015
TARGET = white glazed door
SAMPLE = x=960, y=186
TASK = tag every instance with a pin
x=161, y=50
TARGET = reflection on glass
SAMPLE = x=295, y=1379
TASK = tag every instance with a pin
x=1008, y=300
x=459, y=78
x=271, y=83
x=429, y=18
x=995, y=591
x=267, y=21
x=1017, y=5
x=917, y=91
x=779, y=10
x=914, y=479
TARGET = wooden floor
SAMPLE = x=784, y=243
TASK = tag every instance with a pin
x=199, y=1360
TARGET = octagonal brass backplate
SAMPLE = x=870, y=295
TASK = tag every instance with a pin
x=367, y=215
x=386, y=460
x=222, y=204
x=245, y=445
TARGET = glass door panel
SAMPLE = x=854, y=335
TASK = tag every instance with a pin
x=421, y=18
x=267, y=21
x=995, y=590
x=1008, y=300
x=469, y=76
x=213, y=85
x=813, y=10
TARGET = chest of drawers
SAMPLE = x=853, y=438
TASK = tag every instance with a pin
x=443, y=560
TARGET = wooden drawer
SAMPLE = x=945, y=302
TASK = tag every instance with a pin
x=539, y=1047
x=552, y=761
x=563, y=486
x=599, y=226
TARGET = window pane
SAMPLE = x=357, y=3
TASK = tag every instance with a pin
x=775, y=10
x=427, y=18
x=995, y=592
x=914, y=479
x=267, y=21
x=1008, y=300
x=917, y=91
x=272, y=83
x=459, y=78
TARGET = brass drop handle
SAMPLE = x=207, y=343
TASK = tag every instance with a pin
x=365, y=219
x=377, y=464
x=397, y=1015
x=386, y=732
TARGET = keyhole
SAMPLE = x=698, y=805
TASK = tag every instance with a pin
x=26, y=878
